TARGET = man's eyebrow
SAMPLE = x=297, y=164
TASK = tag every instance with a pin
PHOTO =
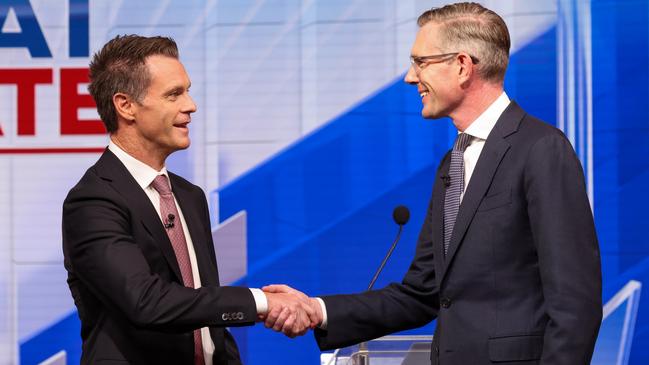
x=175, y=89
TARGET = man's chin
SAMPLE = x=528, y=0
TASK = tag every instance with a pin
x=182, y=145
x=427, y=114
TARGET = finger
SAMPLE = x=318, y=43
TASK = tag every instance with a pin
x=304, y=324
x=272, y=316
x=302, y=332
x=287, y=328
x=307, y=306
x=283, y=316
x=299, y=294
x=273, y=288
x=317, y=316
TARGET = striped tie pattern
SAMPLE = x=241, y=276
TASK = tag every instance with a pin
x=174, y=229
x=456, y=187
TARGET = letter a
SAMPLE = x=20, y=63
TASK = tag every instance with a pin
x=30, y=35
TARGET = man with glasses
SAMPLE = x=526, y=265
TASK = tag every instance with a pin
x=507, y=259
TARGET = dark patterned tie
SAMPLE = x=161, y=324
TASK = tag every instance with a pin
x=453, y=192
x=176, y=235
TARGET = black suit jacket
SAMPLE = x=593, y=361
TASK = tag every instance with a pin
x=521, y=283
x=125, y=279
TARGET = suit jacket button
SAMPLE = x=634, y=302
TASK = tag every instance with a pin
x=445, y=302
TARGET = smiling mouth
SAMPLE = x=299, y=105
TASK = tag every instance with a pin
x=423, y=93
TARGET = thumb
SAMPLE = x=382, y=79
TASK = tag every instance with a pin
x=276, y=288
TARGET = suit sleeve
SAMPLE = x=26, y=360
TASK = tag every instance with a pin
x=360, y=317
x=568, y=253
x=103, y=254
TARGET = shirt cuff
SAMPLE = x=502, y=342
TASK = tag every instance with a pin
x=323, y=325
x=260, y=300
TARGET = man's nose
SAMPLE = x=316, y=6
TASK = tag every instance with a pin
x=411, y=76
x=190, y=106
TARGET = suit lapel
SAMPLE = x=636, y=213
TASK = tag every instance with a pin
x=492, y=154
x=191, y=211
x=111, y=169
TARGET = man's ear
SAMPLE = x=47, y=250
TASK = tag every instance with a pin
x=124, y=106
x=466, y=68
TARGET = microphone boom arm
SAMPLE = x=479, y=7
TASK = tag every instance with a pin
x=385, y=259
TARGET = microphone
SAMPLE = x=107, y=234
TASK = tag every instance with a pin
x=446, y=179
x=401, y=215
x=170, y=221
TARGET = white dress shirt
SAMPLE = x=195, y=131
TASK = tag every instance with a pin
x=144, y=176
x=479, y=129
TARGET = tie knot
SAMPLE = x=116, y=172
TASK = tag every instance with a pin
x=462, y=142
x=161, y=185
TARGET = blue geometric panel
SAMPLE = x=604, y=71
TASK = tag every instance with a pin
x=616, y=334
x=64, y=335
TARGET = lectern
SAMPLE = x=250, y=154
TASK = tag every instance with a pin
x=388, y=350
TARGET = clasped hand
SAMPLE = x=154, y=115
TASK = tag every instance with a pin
x=290, y=311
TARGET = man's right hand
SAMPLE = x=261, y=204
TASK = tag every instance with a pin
x=290, y=311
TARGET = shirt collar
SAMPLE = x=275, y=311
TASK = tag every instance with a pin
x=481, y=127
x=141, y=172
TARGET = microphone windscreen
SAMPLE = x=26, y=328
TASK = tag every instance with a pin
x=401, y=215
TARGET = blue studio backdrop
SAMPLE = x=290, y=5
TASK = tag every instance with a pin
x=317, y=200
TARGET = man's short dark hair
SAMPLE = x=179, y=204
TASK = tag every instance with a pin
x=120, y=67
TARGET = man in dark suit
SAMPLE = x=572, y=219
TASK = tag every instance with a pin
x=507, y=258
x=136, y=238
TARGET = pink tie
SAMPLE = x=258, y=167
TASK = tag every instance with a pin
x=174, y=229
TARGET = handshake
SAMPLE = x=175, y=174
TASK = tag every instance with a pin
x=290, y=311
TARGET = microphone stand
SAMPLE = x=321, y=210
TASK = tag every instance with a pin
x=363, y=352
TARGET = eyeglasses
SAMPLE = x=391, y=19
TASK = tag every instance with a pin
x=422, y=61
